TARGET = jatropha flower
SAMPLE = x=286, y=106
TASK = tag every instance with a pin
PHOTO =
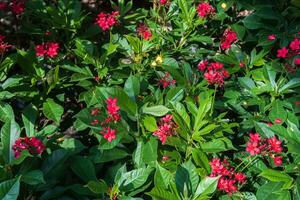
x=32, y=144
x=18, y=6
x=297, y=61
x=166, y=128
x=229, y=37
x=166, y=80
x=3, y=5
x=230, y=180
x=214, y=73
x=106, y=20
x=49, y=49
x=272, y=37
x=144, y=32
x=113, y=115
x=282, y=53
x=3, y=45
x=204, y=9
x=266, y=147
x=163, y=2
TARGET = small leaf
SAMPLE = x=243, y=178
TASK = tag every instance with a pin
x=34, y=177
x=150, y=123
x=156, y=110
x=53, y=110
x=97, y=187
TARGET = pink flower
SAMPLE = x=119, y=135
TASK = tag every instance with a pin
x=295, y=44
x=297, y=103
x=203, y=65
x=3, y=5
x=144, y=32
x=282, y=53
x=297, y=61
x=253, y=148
x=254, y=137
x=40, y=50
x=278, y=121
x=95, y=111
x=109, y=134
x=240, y=177
x=277, y=160
x=229, y=37
x=95, y=122
x=3, y=45
x=272, y=37
x=105, y=20
x=165, y=158
x=270, y=124
x=227, y=185
x=204, y=9
x=274, y=144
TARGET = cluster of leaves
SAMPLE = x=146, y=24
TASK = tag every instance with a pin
x=52, y=98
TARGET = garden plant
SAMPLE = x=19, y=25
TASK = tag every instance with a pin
x=149, y=99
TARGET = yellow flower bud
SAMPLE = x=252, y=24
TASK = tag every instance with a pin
x=224, y=5
x=153, y=64
x=159, y=59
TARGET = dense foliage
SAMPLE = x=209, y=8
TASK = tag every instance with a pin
x=158, y=99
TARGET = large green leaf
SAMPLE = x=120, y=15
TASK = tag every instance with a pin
x=97, y=187
x=29, y=117
x=102, y=156
x=156, y=110
x=162, y=177
x=10, y=132
x=33, y=177
x=161, y=194
x=277, y=176
x=150, y=123
x=83, y=168
x=150, y=152
x=134, y=179
x=9, y=190
x=207, y=186
x=53, y=110
x=187, y=178
x=6, y=112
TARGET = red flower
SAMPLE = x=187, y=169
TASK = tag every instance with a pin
x=282, y=53
x=95, y=122
x=297, y=61
x=229, y=37
x=227, y=185
x=3, y=45
x=33, y=145
x=163, y=2
x=105, y=20
x=297, y=103
x=272, y=37
x=165, y=129
x=274, y=144
x=165, y=158
x=277, y=160
x=49, y=48
x=52, y=49
x=253, y=148
x=295, y=44
x=3, y=5
x=278, y=121
x=18, y=6
x=111, y=106
x=203, y=65
x=270, y=124
x=254, y=137
x=204, y=9
x=240, y=177
x=109, y=134
x=144, y=32
x=166, y=80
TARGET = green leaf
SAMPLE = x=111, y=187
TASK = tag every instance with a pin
x=52, y=110
x=72, y=145
x=204, y=107
x=9, y=190
x=97, y=187
x=217, y=145
x=150, y=152
x=277, y=176
x=278, y=111
x=295, y=82
x=132, y=86
x=103, y=156
x=269, y=191
x=187, y=178
x=29, y=117
x=200, y=159
x=162, y=177
x=54, y=161
x=240, y=30
x=156, y=110
x=134, y=179
x=150, y=123
x=34, y=177
x=83, y=168
x=6, y=112
x=161, y=194
x=207, y=186
x=10, y=132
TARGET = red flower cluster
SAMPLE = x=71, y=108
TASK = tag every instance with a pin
x=265, y=147
x=163, y=2
x=230, y=179
x=113, y=116
x=215, y=73
x=144, y=32
x=229, y=37
x=3, y=45
x=204, y=9
x=106, y=20
x=32, y=144
x=166, y=80
x=272, y=37
x=292, y=50
x=49, y=49
x=166, y=128
x=16, y=6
